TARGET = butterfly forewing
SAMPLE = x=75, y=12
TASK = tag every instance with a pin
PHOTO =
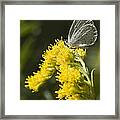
x=82, y=33
x=74, y=28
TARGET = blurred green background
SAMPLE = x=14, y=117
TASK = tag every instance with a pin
x=35, y=36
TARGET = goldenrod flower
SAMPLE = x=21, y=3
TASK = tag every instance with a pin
x=68, y=74
x=46, y=71
x=68, y=91
x=56, y=54
x=62, y=59
x=81, y=52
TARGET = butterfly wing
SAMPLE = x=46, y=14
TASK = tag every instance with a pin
x=82, y=33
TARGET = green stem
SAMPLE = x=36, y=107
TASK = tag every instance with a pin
x=85, y=72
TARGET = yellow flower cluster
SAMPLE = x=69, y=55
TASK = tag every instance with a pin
x=58, y=57
x=69, y=91
x=55, y=55
x=81, y=52
x=68, y=77
x=45, y=72
x=68, y=74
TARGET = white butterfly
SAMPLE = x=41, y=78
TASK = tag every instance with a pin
x=82, y=33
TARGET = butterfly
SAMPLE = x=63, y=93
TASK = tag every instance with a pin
x=82, y=33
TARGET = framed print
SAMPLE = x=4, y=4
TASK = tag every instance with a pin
x=60, y=59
